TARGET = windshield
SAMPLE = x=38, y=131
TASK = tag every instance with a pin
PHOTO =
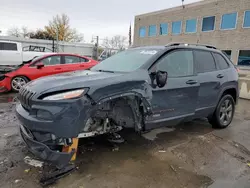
x=126, y=61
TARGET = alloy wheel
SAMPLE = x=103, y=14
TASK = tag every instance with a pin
x=17, y=83
x=226, y=112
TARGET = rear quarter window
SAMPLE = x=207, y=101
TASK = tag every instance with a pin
x=220, y=61
x=204, y=61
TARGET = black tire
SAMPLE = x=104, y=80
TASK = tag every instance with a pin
x=222, y=117
x=24, y=81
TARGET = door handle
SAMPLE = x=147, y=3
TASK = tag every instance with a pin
x=82, y=65
x=58, y=68
x=220, y=76
x=191, y=82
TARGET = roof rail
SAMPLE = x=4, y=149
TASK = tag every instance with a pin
x=188, y=44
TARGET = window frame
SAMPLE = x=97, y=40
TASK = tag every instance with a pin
x=145, y=31
x=236, y=23
x=196, y=19
x=202, y=24
x=244, y=16
x=154, y=67
x=180, y=28
x=196, y=62
x=155, y=30
x=160, y=29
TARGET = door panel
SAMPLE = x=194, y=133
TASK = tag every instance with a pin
x=52, y=65
x=211, y=80
x=178, y=98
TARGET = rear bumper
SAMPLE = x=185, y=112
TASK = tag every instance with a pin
x=40, y=150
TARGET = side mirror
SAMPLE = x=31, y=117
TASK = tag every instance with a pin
x=161, y=78
x=39, y=65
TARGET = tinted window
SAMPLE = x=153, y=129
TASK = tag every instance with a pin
x=52, y=60
x=229, y=21
x=220, y=61
x=205, y=61
x=163, y=29
x=176, y=28
x=71, y=59
x=8, y=46
x=228, y=53
x=142, y=31
x=177, y=63
x=152, y=30
x=244, y=58
x=191, y=26
x=247, y=19
x=208, y=23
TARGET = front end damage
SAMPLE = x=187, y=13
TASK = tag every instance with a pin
x=51, y=129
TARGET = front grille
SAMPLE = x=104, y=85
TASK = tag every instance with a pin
x=25, y=97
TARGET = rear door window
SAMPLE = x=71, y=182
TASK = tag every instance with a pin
x=220, y=61
x=8, y=46
x=204, y=61
x=71, y=59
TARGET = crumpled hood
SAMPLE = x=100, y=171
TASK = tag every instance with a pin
x=69, y=80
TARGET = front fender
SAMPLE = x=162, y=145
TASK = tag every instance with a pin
x=139, y=89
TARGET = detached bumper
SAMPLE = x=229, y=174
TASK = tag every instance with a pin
x=40, y=150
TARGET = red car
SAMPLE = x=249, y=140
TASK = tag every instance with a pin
x=43, y=66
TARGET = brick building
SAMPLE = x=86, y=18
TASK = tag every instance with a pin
x=222, y=23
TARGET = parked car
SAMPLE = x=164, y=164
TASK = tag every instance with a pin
x=43, y=66
x=137, y=88
x=12, y=54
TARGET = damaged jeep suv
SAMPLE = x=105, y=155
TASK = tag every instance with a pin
x=137, y=88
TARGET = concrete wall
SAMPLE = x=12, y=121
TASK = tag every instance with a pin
x=235, y=40
x=67, y=47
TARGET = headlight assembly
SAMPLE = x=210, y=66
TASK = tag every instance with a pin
x=65, y=95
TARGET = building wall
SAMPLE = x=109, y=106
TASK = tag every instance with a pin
x=235, y=40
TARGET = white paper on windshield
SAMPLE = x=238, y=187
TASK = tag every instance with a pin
x=148, y=52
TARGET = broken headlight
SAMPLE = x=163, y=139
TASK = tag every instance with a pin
x=65, y=95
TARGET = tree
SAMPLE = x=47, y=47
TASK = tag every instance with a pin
x=117, y=42
x=129, y=36
x=41, y=34
x=18, y=32
x=14, y=32
x=60, y=25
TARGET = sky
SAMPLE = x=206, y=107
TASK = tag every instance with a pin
x=104, y=18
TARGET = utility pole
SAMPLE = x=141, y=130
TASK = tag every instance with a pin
x=57, y=39
x=183, y=6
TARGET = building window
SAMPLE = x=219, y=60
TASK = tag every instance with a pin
x=142, y=32
x=244, y=58
x=228, y=53
x=208, y=23
x=176, y=28
x=246, y=23
x=152, y=30
x=228, y=21
x=191, y=26
x=163, y=29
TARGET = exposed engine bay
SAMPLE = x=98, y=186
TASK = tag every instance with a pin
x=112, y=116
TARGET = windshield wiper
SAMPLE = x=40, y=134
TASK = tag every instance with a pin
x=105, y=71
